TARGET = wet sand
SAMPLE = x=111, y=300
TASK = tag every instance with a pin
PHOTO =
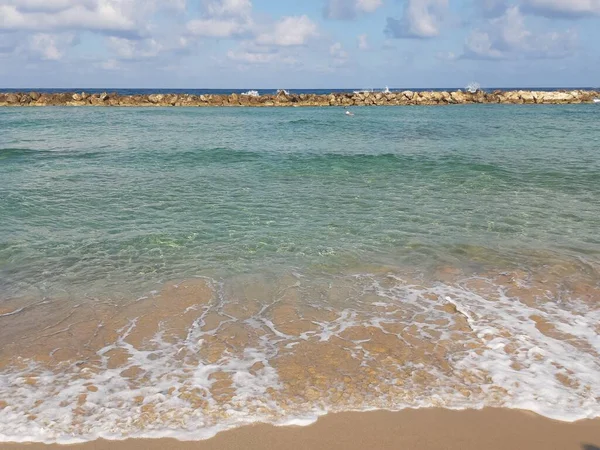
x=425, y=429
x=193, y=358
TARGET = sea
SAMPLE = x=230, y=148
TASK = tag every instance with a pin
x=177, y=272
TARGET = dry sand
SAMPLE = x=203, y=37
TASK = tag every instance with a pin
x=490, y=429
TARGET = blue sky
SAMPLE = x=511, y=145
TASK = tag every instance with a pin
x=299, y=43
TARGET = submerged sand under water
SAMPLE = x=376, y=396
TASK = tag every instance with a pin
x=200, y=356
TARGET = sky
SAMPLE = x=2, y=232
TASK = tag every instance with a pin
x=290, y=44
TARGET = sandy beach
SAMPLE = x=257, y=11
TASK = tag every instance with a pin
x=491, y=429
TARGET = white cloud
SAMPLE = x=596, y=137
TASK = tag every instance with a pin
x=563, y=8
x=363, y=42
x=136, y=49
x=48, y=46
x=218, y=28
x=289, y=31
x=223, y=19
x=228, y=8
x=507, y=37
x=480, y=45
x=350, y=9
x=339, y=56
x=491, y=8
x=250, y=54
x=108, y=16
x=250, y=57
x=420, y=19
x=337, y=51
x=111, y=64
x=368, y=6
x=446, y=56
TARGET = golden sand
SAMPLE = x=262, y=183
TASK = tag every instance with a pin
x=334, y=346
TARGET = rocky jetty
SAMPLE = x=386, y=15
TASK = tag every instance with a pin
x=285, y=99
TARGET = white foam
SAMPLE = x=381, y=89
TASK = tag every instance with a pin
x=501, y=325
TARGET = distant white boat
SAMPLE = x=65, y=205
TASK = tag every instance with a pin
x=473, y=87
x=349, y=113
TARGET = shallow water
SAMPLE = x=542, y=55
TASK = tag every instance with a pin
x=175, y=272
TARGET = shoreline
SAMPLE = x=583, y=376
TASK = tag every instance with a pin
x=421, y=429
x=404, y=98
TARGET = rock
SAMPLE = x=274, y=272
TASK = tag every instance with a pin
x=479, y=97
x=458, y=97
x=156, y=98
x=44, y=99
x=511, y=97
x=234, y=99
x=12, y=99
x=527, y=97
x=556, y=97
x=128, y=100
x=171, y=99
x=284, y=99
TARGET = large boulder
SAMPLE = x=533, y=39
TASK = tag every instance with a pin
x=25, y=99
x=445, y=97
x=479, y=97
x=34, y=96
x=234, y=99
x=458, y=97
x=556, y=97
x=171, y=99
x=527, y=96
x=511, y=97
x=95, y=100
x=128, y=100
x=44, y=99
x=408, y=94
x=156, y=98
x=12, y=99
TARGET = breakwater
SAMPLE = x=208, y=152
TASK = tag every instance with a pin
x=286, y=99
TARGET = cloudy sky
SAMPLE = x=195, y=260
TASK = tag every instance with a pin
x=299, y=43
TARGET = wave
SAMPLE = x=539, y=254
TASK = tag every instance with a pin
x=30, y=154
x=217, y=155
x=178, y=362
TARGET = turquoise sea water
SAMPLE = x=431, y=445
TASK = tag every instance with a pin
x=401, y=258
x=110, y=198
